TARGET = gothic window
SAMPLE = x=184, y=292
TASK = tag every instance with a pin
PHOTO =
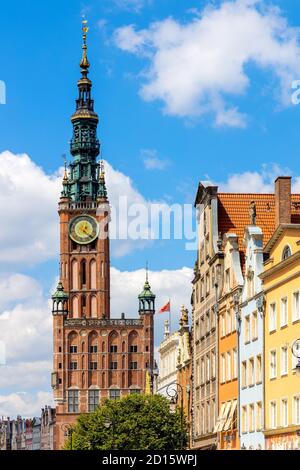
x=93, y=343
x=113, y=343
x=132, y=342
x=83, y=273
x=93, y=365
x=75, y=307
x=286, y=253
x=74, y=268
x=133, y=366
x=94, y=306
x=93, y=271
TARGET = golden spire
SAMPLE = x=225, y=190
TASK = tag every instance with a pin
x=84, y=64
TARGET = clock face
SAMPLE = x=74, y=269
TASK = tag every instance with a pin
x=296, y=348
x=83, y=229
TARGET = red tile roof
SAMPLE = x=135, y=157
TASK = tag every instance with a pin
x=233, y=214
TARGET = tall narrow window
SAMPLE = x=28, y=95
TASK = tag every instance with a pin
x=75, y=307
x=94, y=396
x=284, y=412
x=296, y=306
x=259, y=370
x=83, y=273
x=223, y=368
x=228, y=365
x=73, y=400
x=259, y=416
x=254, y=326
x=284, y=361
x=272, y=317
x=297, y=410
x=247, y=329
x=284, y=312
x=244, y=419
x=273, y=415
x=251, y=418
x=94, y=306
x=74, y=268
x=244, y=374
x=251, y=372
x=273, y=364
x=235, y=364
x=93, y=273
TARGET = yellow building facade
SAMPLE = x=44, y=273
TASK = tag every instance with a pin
x=281, y=284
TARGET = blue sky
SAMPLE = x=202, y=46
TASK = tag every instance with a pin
x=40, y=50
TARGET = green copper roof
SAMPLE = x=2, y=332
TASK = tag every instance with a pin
x=83, y=182
x=147, y=293
x=60, y=293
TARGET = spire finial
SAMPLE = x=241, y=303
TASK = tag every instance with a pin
x=84, y=64
x=102, y=171
x=147, y=272
x=102, y=191
x=64, y=156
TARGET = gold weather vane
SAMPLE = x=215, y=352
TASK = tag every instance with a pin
x=85, y=29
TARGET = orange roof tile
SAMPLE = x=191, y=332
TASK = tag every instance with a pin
x=233, y=214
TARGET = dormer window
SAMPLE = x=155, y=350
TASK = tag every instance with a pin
x=286, y=253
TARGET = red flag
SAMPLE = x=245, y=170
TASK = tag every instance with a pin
x=166, y=308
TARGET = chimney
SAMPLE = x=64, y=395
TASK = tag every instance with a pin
x=282, y=200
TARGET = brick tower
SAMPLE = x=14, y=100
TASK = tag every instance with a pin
x=94, y=356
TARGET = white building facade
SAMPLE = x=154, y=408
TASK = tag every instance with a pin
x=168, y=359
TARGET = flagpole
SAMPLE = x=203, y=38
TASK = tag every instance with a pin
x=170, y=321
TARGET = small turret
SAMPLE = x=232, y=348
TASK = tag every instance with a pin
x=60, y=301
x=147, y=298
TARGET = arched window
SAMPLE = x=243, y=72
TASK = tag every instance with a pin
x=93, y=269
x=94, y=306
x=75, y=309
x=74, y=268
x=286, y=253
x=83, y=273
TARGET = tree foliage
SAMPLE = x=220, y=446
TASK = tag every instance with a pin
x=136, y=422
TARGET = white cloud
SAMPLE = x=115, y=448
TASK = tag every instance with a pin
x=167, y=284
x=15, y=288
x=29, y=198
x=24, y=404
x=256, y=181
x=26, y=375
x=197, y=67
x=152, y=160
